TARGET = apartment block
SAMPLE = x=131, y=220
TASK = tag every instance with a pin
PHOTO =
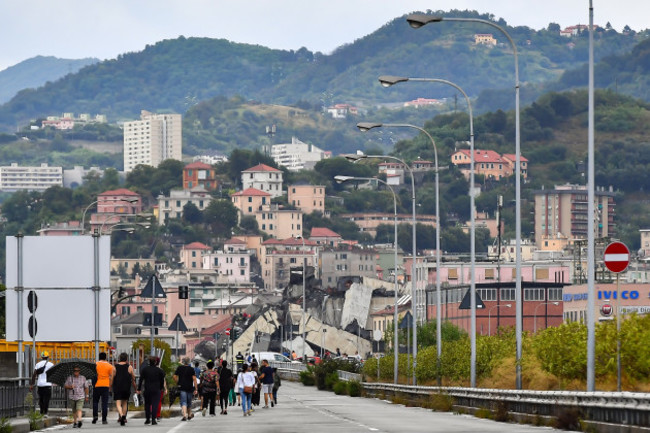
x=15, y=178
x=264, y=178
x=307, y=198
x=152, y=139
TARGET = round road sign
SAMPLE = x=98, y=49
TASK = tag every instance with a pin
x=617, y=257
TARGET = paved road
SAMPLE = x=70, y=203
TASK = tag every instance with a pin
x=307, y=410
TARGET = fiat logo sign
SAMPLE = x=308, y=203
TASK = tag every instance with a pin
x=606, y=310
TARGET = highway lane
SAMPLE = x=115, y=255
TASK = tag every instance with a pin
x=305, y=409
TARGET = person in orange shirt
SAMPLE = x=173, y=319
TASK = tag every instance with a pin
x=105, y=374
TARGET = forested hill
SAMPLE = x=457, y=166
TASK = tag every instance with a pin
x=175, y=74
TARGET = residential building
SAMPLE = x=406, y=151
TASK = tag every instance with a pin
x=152, y=139
x=341, y=111
x=645, y=242
x=343, y=261
x=296, y=155
x=562, y=211
x=279, y=256
x=201, y=175
x=250, y=200
x=368, y=222
x=71, y=228
x=172, y=206
x=15, y=178
x=114, y=207
x=488, y=163
x=324, y=236
x=191, y=255
x=273, y=219
x=307, y=198
x=422, y=102
x=264, y=178
x=484, y=39
x=233, y=263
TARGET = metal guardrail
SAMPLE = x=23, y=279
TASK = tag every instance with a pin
x=620, y=408
x=348, y=376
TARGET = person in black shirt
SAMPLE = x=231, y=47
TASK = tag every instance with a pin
x=154, y=383
x=185, y=378
x=239, y=360
x=266, y=377
x=225, y=385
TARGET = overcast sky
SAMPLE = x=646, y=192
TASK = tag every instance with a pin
x=101, y=28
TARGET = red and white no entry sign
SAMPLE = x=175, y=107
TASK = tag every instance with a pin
x=617, y=257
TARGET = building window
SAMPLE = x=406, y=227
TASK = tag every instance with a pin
x=487, y=294
x=508, y=294
x=554, y=294
x=242, y=272
x=452, y=274
x=533, y=294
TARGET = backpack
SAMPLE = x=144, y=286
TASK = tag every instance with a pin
x=209, y=381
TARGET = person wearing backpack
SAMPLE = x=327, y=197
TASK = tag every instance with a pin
x=209, y=388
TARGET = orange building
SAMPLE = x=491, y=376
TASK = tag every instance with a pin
x=488, y=163
x=199, y=174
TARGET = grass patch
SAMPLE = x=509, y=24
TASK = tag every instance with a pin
x=440, y=402
x=483, y=413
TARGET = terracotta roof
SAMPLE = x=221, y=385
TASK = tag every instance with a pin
x=481, y=156
x=251, y=192
x=323, y=232
x=219, y=327
x=289, y=241
x=196, y=246
x=121, y=191
x=513, y=157
x=235, y=241
x=197, y=164
x=260, y=167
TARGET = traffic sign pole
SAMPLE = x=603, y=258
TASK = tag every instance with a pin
x=617, y=259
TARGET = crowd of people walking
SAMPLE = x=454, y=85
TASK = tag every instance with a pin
x=243, y=387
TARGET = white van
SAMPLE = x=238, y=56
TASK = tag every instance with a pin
x=271, y=357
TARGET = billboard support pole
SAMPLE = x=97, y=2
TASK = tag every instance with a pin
x=96, y=289
x=19, y=302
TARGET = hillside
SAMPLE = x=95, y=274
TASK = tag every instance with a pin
x=173, y=75
x=35, y=72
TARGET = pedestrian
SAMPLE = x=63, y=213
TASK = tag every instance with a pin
x=225, y=385
x=357, y=356
x=277, y=383
x=154, y=382
x=249, y=358
x=338, y=352
x=162, y=394
x=257, y=389
x=185, y=378
x=44, y=388
x=77, y=386
x=209, y=386
x=266, y=377
x=293, y=355
x=122, y=382
x=105, y=374
x=239, y=360
x=246, y=385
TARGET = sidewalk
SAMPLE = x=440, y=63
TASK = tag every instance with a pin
x=60, y=416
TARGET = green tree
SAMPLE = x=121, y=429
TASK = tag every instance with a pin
x=221, y=216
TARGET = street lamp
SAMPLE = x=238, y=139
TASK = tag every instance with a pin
x=535, y=312
x=128, y=227
x=366, y=126
x=490, y=311
x=418, y=20
x=341, y=179
x=359, y=156
x=304, y=296
x=387, y=81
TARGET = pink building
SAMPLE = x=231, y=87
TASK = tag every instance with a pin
x=233, y=263
x=192, y=255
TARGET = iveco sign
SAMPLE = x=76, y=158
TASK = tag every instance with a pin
x=602, y=294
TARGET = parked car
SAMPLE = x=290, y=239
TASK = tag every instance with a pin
x=271, y=357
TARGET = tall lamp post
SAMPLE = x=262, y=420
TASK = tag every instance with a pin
x=366, y=126
x=387, y=81
x=341, y=179
x=359, y=156
x=489, y=317
x=418, y=20
x=535, y=312
x=304, y=296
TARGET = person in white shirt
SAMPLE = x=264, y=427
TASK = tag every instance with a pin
x=245, y=385
x=44, y=387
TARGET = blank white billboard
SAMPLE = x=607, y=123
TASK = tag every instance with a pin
x=61, y=270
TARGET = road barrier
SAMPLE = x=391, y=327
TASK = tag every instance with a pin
x=603, y=411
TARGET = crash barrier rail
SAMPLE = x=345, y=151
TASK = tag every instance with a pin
x=600, y=409
x=348, y=376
